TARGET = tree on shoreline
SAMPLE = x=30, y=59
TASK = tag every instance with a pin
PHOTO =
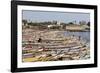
x=24, y=22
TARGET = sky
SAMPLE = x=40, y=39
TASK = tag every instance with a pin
x=41, y=16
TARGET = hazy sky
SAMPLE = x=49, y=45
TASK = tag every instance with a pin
x=41, y=16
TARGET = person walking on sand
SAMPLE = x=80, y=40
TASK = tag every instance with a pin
x=79, y=38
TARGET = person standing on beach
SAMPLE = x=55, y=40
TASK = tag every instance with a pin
x=79, y=38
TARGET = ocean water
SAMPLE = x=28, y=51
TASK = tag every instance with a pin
x=84, y=35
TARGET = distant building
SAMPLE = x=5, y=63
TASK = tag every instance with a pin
x=25, y=24
x=49, y=26
x=58, y=23
x=54, y=24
